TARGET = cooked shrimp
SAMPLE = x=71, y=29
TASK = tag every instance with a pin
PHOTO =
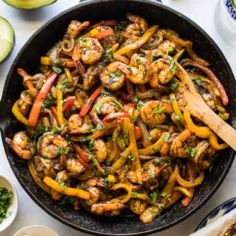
x=100, y=150
x=201, y=150
x=137, y=206
x=153, y=112
x=90, y=77
x=78, y=125
x=167, y=46
x=62, y=176
x=74, y=166
x=94, y=195
x=52, y=145
x=75, y=27
x=101, y=208
x=177, y=148
x=22, y=145
x=113, y=76
x=149, y=214
x=139, y=69
x=88, y=50
x=26, y=100
x=162, y=71
x=138, y=26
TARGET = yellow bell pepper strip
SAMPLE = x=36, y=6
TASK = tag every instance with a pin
x=114, y=47
x=111, y=178
x=134, y=151
x=203, y=132
x=141, y=196
x=122, y=160
x=139, y=42
x=158, y=207
x=127, y=188
x=69, y=75
x=38, y=102
x=19, y=116
x=176, y=108
x=60, y=117
x=92, y=33
x=183, y=190
x=191, y=175
x=69, y=191
x=188, y=184
x=86, y=107
x=37, y=180
x=213, y=140
x=178, y=55
x=45, y=61
x=154, y=148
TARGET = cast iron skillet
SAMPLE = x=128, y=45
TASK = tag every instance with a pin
x=28, y=58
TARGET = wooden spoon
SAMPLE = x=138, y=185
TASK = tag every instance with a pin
x=190, y=99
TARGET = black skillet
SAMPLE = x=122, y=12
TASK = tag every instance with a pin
x=43, y=39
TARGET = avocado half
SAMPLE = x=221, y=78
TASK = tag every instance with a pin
x=29, y=4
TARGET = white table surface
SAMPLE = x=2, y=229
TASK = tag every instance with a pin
x=25, y=24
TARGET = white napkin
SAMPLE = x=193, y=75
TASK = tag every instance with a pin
x=218, y=226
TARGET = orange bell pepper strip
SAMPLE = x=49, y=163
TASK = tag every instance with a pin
x=76, y=192
x=138, y=132
x=104, y=34
x=25, y=76
x=36, y=108
x=87, y=106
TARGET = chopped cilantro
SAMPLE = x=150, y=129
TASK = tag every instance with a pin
x=99, y=126
x=49, y=101
x=62, y=183
x=140, y=105
x=120, y=26
x=136, y=99
x=105, y=92
x=98, y=107
x=5, y=201
x=57, y=69
x=154, y=196
x=191, y=151
x=131, y=157
x=65, y=84
x=160, y=206
x=172, y=66
x=138, y=61
x=198, y=82
x=158, y=110
x=107, y=56
x=173, y=85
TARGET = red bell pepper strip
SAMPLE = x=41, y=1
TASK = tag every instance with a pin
x=105, y=22
x=68, y=103
x=138, y=132
x=86, y=107
x=211, y=76
x=36, y=108
x=82, y=155
x=104, y=34
x=116, y=115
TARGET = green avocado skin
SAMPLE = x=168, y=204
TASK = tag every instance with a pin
x=29, y=4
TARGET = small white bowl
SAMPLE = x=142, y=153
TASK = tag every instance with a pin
x=36, y=230
x=12, y=210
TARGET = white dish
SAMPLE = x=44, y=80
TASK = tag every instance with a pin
x=12, y=210
x=36, y=230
